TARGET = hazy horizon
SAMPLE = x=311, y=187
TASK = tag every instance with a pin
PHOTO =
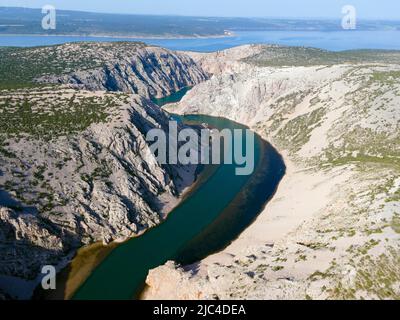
x=204, y=16
x=284, y=9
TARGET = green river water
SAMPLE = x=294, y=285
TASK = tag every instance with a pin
x=206, y=221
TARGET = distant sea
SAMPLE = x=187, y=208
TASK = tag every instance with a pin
x=334, y=41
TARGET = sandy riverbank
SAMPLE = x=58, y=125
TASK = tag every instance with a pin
x=287, y=211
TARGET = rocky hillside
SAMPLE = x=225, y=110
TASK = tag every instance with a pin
x=128, y=67
x=75, y=167
x=332, y=230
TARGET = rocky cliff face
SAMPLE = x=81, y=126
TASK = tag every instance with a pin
x=332, y=230
x=75, y=167
x=81, y=180
x=147, y=71
x=226, y=61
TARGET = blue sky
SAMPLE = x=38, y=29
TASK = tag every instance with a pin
x=382, y=9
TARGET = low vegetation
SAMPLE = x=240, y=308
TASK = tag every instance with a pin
x=21, y=67
x=278, y=56
x=51, y=113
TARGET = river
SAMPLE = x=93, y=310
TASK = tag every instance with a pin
x=206, y=221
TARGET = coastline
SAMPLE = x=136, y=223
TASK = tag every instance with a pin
x=139, y=37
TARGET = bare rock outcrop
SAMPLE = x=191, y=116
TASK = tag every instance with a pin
x=172, y=282
x=225, y=61
x=131, y=68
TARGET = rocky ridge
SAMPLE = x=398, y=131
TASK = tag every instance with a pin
x=332, y=230
x=131, y=67
x=147, y=71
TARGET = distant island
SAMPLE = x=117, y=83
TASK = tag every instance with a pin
x=23, y=21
